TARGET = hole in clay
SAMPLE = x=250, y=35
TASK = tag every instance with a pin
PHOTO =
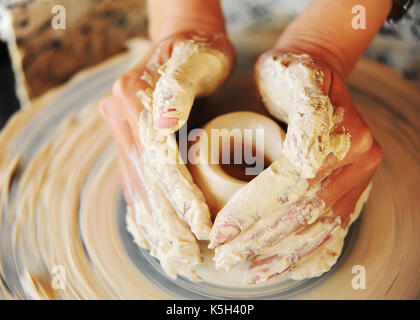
x=238, y=171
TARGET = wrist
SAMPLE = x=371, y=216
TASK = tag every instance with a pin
x=173, y=26
x=322, y=51
x=326, y=30
x=170, y=17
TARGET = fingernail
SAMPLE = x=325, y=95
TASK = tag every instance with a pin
x=103, y=110
x=224, y=234
x=252, y=278
x=165, y=123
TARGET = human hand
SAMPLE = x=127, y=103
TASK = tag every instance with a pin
x=153, y=98
x=294, y=216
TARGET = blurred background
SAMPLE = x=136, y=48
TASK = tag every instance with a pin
x=98, y=29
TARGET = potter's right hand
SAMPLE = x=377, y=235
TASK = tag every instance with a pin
x=293, y=217
x=295, y=214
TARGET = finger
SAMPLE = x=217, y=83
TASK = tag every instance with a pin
x=197, y=67
x=316, y=105
x=278, y=185
x=178, y=249
x=139, y=222
x=270, y=189
x=135, y=230
x=317, y=246
x=283, y=258
x=144, y=230
x=164, y=161
x=138, y=226
x=133, y=90
x=138, y=218
x=173, y=244
x=290, y=218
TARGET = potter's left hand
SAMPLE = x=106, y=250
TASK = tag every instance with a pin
x=191, y=56
x=293, y=217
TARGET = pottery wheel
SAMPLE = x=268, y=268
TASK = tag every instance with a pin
x=62, y=214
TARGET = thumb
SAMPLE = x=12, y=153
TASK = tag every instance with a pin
x=197, y=67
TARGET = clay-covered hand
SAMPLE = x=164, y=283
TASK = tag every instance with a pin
x=168, y=212
x=291, y=219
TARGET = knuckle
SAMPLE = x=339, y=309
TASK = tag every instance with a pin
x=104, y=106
x=365, y=141
x=376, y=154
x=120, y=87
x=102, y=110
x=373, y=158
